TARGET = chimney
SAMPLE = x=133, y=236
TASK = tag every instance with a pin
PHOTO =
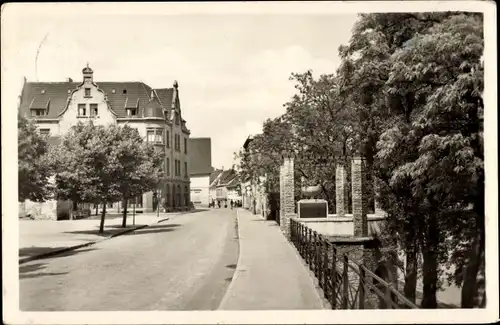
x=70, y=80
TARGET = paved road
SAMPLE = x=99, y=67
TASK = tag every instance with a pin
x=185, y=263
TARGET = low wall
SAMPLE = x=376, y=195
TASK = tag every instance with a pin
x=341, y=226
x=38, y=210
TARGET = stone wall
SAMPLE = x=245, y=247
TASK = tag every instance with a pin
x=359, y=200
x=341, y=190
x=38, y=210
x=287, y=195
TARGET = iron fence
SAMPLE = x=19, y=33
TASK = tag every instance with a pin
x=346, y=284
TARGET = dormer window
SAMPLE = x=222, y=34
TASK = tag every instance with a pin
x=38, y=112
x=87, y=92
x=124, y=91
x=113, y=91
x=131, y=112
x=43, y=91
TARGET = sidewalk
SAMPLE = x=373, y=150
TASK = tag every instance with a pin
x=38, y=238
x=269, y=274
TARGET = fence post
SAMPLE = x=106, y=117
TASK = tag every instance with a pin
x=345, y=282
x=333, y=298
x=309, y=245
x=361, y=301
x=325, y=266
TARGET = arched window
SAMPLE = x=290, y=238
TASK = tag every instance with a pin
x=186, y=196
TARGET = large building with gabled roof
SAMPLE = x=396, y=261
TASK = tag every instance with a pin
x=155, y=113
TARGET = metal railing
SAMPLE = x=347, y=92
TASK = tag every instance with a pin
x=346, y=284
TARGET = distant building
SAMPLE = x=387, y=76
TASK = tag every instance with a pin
x=155, y=113
x=200, y=168
x=225, y=185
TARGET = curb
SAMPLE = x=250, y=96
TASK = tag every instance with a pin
x=237, y=270
x=58, y=251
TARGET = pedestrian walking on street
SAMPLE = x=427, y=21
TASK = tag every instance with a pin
x=232, y=204
x=218, y=203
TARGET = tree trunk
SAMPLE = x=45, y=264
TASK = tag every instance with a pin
x=430, y=265
x=124, y=221
x=103, y=216
x=411, y=273
x=470, y=287
x=97, y=209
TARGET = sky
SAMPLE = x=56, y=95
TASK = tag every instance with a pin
x=233, y=70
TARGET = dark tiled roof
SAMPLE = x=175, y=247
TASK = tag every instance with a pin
x=200, y=156
x=215, y=174
x=153, y=109
x=226, y=177
x=131, y=94
x=233, y=182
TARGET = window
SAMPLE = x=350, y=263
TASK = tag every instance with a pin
x=150, y=135
x=44, y=131
x=185, y=146
x=185, y=169
x=131, y=112
x=177, y=167
x=177, y=142
x=124, y=91
x=159, y=136
x=87, y=92
x=37, y=112
x=82, y=108
x=94, y=110
x=168, y=166
x=177, y=119
x=168, y=139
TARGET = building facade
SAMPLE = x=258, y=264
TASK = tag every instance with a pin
x=200, y=168
x=155, y=113
x=225, y=186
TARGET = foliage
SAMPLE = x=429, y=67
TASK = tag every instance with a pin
x=101, y=164
x=33, y=170
x=408, y=97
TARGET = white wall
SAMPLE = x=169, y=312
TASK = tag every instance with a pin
x=52, y=126
x=70, y=116
x=200, y=190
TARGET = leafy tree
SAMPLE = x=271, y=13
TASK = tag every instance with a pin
x=33, y=170
x=139, y=165
x=444, y=69
x=100, y=164
x=407, y=96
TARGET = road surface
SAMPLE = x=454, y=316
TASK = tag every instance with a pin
x=185, y=263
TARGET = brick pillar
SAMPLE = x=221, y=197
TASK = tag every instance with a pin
x=360, y=221
x=288, y=194
x=341, y=190
x=282, y=199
